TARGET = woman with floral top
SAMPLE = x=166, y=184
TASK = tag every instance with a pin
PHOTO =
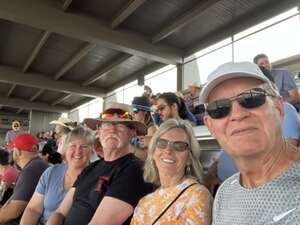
x=173, y=165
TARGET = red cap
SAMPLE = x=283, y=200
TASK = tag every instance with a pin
x=25, y=141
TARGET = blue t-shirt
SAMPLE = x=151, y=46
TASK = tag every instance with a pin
x=284, y=82
x=51, y=185
x=291, y=123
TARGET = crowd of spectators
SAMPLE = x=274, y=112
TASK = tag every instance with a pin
x=139, y=164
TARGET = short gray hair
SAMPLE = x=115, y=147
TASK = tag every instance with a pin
x=151, y=172
x=80, y=132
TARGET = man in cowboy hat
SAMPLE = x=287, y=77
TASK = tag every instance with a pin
x=244, y=112
x=62, y=127
x=108, y=190
x=25, y=156
x=193, y=103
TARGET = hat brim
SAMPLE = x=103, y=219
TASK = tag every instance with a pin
x=57, y=122
x=140, y=128
x=195, y=86
x=206, y=90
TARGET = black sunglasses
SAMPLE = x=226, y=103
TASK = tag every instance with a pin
x=249, y=99
x=178, y=146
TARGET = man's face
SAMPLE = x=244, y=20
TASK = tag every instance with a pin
x=245, y=132
x=114, y=135
x=164, y=110
x=195, y=91
x=264, y=62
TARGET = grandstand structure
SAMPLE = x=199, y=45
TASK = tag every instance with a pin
x=56, y=55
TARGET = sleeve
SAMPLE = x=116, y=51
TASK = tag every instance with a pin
x=291, y=123
x=198, y=206
x=26, y=185
x=129, y=186
x=6, y=140
x=289, y=82
x=43, y=181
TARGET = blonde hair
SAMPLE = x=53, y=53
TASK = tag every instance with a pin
x=151, y=173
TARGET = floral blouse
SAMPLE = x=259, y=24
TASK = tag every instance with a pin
x=191, y=208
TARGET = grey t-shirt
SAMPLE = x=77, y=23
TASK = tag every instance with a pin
x=284, y=81
x=277, y=202
x=28, y=179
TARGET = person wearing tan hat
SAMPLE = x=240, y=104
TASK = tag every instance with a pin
x=25, y=156
x=62, y=127
x=11, y=134
x=244, y=112
x=108, y=190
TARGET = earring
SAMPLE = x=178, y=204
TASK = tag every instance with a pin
x=188, y=169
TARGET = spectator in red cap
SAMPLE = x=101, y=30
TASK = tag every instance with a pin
x=8, y=176
x=25, y=156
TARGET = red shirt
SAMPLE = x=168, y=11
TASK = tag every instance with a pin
x=10, y=174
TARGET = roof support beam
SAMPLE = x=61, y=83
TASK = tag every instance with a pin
x=75, y=59
x=17, y=102
x=66, y=4
x=14, y=76
x=183, y=20
x=11, y=90
x=238, y=24
x=37, y=94
x=19, y=111
x=115, y=62
x=141, y=73
x=36, y=50
x=126, y=12
x=61, y=99
x=40, y=14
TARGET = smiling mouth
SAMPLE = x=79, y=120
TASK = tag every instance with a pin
x=242, y=131
x=169, y=161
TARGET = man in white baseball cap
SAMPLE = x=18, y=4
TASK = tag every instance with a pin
x=244, y=113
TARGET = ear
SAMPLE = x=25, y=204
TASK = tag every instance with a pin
x=174, y=106
x=279, y=106
x=208, y=123
x=17, y=152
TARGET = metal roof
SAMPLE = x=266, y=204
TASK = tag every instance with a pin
x=56, y=55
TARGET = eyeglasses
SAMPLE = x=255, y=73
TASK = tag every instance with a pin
x=178, y=146
x=122, y=115
x=249, y=99
x=118, y=126
x=161, y=107
x=136, y=110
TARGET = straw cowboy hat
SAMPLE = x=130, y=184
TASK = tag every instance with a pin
x=65, y=122
x=195, y=85
x=117, y=113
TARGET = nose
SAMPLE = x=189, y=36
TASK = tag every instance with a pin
x=168, y=150
x=238, y=112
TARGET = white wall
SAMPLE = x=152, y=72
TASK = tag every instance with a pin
x=39, y=121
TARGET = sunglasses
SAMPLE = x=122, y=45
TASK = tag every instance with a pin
x=136, y=110
x=249, y=99
x=123, y=115
x=178, y=146
x=161, y=107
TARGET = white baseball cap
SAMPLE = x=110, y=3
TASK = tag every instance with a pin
x=231, y=70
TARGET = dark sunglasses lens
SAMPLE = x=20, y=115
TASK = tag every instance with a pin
x=180, y=146
x=252, y=99
x=219, y=109
x=161, y=143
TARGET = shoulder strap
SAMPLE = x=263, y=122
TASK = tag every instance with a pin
x=171, y=203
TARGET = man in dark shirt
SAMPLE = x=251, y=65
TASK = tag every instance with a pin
x=108, y=190
x=25, y=155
